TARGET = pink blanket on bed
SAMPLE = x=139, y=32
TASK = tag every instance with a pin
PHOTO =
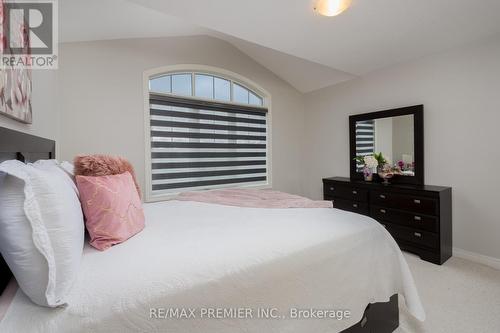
x=253, y=199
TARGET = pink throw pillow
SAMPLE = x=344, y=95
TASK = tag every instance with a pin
x=103, y=165
x=112, y=209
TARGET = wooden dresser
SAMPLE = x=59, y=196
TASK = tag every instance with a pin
x=418, y=217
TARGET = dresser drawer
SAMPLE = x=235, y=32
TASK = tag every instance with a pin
x=352, y=206
x=415, y=204
x=345, y=192
x=417, y=237
x=422, y=222
x=418, y=216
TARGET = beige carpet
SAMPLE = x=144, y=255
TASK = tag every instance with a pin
x=459, y=296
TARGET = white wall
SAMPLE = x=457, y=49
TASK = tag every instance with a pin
x=44, y=105
x=102, y=97
x=402, y=142
x=461, y=93
x=383, y=137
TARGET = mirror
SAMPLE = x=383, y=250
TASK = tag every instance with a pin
x=394, y=138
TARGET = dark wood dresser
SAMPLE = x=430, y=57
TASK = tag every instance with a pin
x=417, y=216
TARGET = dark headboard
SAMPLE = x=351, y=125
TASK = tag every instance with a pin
x=27, y=148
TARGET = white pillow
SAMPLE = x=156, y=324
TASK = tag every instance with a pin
x=41, y=229
x=68, y=168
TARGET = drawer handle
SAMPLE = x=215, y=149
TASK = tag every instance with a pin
x=354, y=192
x=383, y=211
x=418, y=234
x=332, y=188
x=355, y=205
x=417, y=218
x=382, y=196
x=416, y=201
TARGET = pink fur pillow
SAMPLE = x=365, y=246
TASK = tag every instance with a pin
x=112, y=209
x=103, y=165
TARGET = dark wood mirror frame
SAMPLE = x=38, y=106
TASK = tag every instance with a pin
x=418, y=131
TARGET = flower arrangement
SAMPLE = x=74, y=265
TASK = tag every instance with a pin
x=406, y=167
x=377, y=163
x=380, y=159
x=370, y=164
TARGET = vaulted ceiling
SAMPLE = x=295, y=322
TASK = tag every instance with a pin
x=288, y=37
x=90, y=20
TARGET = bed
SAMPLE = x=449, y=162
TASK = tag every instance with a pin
x=201, y=267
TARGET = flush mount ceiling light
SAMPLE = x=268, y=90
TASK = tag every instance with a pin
x=331, y=7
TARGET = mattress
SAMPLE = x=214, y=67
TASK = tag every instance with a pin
x=230, y=269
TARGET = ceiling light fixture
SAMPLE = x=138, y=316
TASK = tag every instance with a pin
x=331, y=7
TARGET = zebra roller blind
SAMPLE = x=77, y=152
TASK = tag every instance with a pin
x=365, y=139
x=202, y=144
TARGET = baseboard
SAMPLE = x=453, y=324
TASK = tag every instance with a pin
x=476, y=257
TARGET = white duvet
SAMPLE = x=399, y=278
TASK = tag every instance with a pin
x=204, y=258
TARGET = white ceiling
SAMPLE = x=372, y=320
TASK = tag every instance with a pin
x=370, y=35
x=302, y=74
x=288, y=37
x=116, y=19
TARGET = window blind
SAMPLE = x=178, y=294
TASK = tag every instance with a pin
x=202, y=144
x=365, y=139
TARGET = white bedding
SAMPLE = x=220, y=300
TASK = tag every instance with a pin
x=197, y=255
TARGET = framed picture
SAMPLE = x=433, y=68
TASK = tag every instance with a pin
x=15, y=81
x=15, y=94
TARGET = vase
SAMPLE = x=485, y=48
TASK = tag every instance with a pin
x=385, y=174
x=368, y=174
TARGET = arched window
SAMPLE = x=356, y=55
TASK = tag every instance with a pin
x=205, y=130
x=203, y=85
